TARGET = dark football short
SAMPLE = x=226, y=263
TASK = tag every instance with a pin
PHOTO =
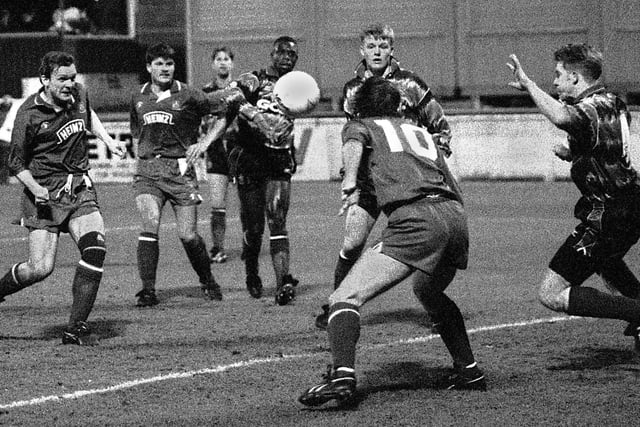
x=54, y=216
x=161, y=177
x=428, y=234
x=369, y=203
x=217, y=159
x=584, y=252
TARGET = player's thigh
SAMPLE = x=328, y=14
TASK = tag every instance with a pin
x=278, y=197
x=252, y=204
x=373, y=274
x=43, y=245
x=218, y=184
x=150, y=210
x=81, y=225
x=186, y=220
x=358, y=224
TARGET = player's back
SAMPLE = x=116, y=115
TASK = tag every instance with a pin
x=405, y=163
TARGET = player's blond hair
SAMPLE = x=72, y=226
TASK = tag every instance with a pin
x=378, y=31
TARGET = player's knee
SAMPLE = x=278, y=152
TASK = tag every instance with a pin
x=93, y=249
x=553, y=293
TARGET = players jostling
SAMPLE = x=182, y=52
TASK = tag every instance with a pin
x=49, y=155
x=597, y=124
x=262, y=162
x=377, y=48
x=426, y=239
x=165, y=118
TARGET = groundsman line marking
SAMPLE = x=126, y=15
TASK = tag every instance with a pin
x=243, y=364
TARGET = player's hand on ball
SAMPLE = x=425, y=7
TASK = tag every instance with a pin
x=521, y=80
x=296, y=92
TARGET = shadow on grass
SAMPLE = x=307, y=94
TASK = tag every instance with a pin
x=392, y=377
x=590, y=358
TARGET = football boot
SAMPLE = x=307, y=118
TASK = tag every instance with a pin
x=77, y=334
x=211, y=290
x=464, y=379
x=336, y=385
x=147, y=298
x=286, y=293
x=254, y=286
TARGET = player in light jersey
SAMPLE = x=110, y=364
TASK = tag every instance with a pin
x=49, y=155
x=165, y=117
x=597, y=124
x=426, y=238
x=376, y=47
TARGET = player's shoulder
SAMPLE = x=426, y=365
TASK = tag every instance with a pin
x=357, y=128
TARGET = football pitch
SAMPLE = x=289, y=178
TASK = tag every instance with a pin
x=243, y=362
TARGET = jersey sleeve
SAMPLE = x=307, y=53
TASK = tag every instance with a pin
x=582, y=124
x=134, y=122
x=20, y=136
x=356, y=130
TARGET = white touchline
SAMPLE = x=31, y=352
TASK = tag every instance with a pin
x=219, y=369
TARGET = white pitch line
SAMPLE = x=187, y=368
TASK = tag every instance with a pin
x=223, y=368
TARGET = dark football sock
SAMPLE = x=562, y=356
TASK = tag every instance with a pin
x=279, y=247
x=344, y=332
x=618, y=275
x=148, y=255
x=590, y=302
x=9, y=283
x=218, y=228
x=453, y=332
x=85, y=288
x=342, y=269
x=197, y=254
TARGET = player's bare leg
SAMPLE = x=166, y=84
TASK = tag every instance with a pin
x=373, y=274
x=194, y=246
x=88, y=233
x=447, y=318
x=278, y=194
x=219, y=184
x=148, y=252
x=43, y=246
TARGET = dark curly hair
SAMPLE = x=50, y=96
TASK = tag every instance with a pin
x=54, y=59
x=377, y=97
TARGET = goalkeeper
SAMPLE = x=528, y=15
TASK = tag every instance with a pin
x=262, y=163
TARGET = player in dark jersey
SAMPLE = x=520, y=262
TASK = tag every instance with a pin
x=217, y=154
x=262, y=162
x=49, y=155
x=165, y=117
x=376, y=47
x=597, y=124
x=426, y=239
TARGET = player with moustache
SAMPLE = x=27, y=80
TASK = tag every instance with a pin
x=165, y=117
x=376, y=48
x=49, y=155
x=262, y=162
x=222, y=63
x=426, y=239
x=597, y=124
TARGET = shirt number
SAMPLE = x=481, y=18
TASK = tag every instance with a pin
x=418, y=139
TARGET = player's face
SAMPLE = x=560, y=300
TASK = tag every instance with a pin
x=59, y=87
x=284, y=57
x=222, y=64
x=161, y=71
x=377, y=53
x=564, y=82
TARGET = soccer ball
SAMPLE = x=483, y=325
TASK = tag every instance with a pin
x=297, y=92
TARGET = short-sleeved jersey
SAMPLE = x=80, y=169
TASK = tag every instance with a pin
x=405, y=162
x=598, y=135
x=167, y=124
x=49, y=141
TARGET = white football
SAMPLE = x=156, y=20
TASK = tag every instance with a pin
x=297, y=91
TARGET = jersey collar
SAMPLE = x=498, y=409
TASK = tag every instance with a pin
x=597, y=88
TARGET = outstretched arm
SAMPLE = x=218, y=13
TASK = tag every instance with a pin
x=553, y=109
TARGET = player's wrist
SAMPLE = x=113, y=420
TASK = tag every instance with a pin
x=349, y=190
